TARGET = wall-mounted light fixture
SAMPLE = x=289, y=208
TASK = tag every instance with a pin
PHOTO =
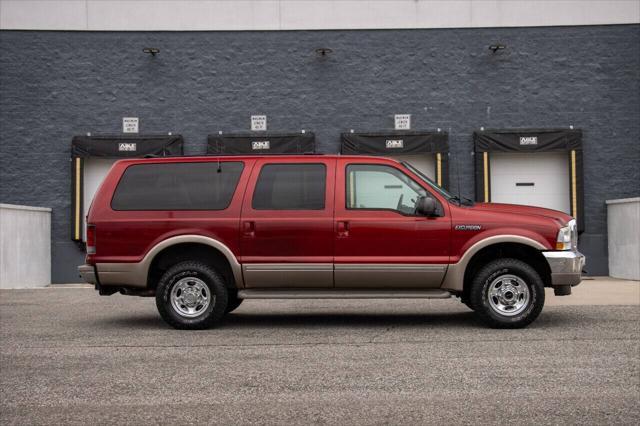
x=323, y=51
x=495, y=47
x=152, y=50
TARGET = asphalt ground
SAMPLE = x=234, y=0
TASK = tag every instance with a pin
x=68, y=356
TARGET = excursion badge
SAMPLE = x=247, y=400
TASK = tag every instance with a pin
x=468, y=227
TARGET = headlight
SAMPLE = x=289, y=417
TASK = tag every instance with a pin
x=568, y=237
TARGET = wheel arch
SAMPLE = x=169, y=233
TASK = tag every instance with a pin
x=192, y=247
x=501, y=246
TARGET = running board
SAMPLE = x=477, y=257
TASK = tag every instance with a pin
x=343, y=294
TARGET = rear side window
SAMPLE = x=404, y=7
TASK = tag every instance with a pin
x=290, y=187
x=177, y=186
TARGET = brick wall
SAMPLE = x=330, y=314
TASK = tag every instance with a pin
x=54, y=85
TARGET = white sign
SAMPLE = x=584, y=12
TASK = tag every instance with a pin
x=403, y=121
x=258, y=123
x=129, y=124
x=395, y=143
x=127, y=146
x=260, y=145
x=528, y=140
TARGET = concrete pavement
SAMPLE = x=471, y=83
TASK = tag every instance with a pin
x=598, y=291
x=68, y=356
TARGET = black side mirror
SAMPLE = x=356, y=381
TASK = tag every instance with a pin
x=426, y=206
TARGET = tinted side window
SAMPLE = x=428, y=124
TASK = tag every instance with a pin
x=177, y=186
x=290, y=187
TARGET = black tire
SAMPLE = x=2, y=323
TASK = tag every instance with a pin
x=488, y=277
x=232, y=301
x=215, y=288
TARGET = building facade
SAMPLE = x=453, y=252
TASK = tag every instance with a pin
x=328, y=67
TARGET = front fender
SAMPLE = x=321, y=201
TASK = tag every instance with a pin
x=519, y=235
x=454, y=278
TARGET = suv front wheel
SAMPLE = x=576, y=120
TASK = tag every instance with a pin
x=507, y=293
x=191, y=296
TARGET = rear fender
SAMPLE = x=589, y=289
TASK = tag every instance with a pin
x=135, y=274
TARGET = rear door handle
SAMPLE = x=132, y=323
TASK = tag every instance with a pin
x=343, y=228
x=249, y=228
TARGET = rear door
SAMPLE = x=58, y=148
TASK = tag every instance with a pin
x=287, y=224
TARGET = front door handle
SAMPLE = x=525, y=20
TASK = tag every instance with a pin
x=249, y=228
x=343, y=228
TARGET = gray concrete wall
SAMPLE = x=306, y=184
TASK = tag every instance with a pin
x=54, y=85
x=623, y=224
x=25, y=246
x=194, y=15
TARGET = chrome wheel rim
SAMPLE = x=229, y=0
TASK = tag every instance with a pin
x=190, y=297
x=508, y=295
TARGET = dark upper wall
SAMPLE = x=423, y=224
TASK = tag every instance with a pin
x=54, y=85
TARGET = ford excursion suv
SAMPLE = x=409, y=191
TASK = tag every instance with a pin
x=202, y=234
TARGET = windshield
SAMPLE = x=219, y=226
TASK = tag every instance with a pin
x=429, y=182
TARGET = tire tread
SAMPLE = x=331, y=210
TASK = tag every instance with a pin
x=214, y=279
x=484, y=312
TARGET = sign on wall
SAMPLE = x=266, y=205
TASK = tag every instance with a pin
x=127, y=147
x=403, y=121
x=528, y=140
x=258, y=145
x=258, y=123
x=394, y=143
x=129, y=124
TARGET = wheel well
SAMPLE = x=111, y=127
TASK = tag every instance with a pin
x=522, y=252
x=189, y=251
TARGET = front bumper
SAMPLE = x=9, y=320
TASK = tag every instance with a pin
x=88, y=273
x=566, y=267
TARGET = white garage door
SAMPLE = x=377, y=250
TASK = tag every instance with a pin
x=426, y=163
x=95, y=170
x=535, y=179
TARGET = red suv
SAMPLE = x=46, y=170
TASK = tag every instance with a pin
x=203, y=233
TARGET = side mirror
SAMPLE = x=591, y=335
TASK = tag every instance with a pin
x=426, y=206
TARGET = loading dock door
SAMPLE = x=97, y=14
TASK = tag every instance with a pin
x=426, y=151
x=540, y=167
x=95, y=170
x=425, y=163
x=536, y=179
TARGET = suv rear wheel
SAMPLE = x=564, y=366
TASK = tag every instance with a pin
x=507, y=293
x=191, y=296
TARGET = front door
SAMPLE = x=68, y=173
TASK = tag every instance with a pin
x=287, y=224
x=380, y=241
